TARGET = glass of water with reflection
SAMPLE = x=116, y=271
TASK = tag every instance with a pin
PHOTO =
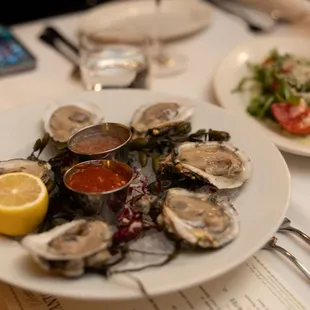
x=114, y=58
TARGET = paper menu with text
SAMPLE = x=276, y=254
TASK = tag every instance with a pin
x=253, y=285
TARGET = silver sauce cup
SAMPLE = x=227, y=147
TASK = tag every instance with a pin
x=115, y=130
x=108, y=204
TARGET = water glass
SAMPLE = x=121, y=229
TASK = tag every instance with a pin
x=114, y=58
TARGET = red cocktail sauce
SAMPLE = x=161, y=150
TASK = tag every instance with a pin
x=97, y=144
x=96, y=178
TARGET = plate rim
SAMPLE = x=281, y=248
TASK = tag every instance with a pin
x=220, y=101
x=190, y=282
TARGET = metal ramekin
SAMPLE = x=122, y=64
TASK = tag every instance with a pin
x=119, y=153
x=108, y=204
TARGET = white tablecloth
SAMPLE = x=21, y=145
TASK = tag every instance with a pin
x=205, y=52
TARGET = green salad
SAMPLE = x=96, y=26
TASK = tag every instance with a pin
x=279, y=78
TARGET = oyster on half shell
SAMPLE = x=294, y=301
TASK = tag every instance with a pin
x=160, y=115
x=61, y=121
x=70, y=248
x=40, y=169
x=197, y=220
x=218, y=163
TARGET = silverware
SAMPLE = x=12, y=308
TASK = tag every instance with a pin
x=50, y=34
x=272, y=245
x=257, y=19
x=242, y=11
x=286, y=227
x=52, y=37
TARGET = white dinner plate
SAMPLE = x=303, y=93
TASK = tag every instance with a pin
x=262, y=204
x=234, y=67
x=179, y=18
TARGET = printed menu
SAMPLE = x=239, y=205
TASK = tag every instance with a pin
x=253, y=285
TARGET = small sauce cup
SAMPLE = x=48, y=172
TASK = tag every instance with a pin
x=100, y=187
x=103, y=141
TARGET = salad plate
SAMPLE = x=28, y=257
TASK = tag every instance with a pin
x=258, y=205
x=266, y=80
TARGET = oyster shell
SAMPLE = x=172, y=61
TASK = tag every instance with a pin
x=198, y=220
x=61, y=121
x=40, y=169
x=217, y=163
x=69, y=248
x=160, y=115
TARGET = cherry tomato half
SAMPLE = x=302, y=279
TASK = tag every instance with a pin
x=295, y=119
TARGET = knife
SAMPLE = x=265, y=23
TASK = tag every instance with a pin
x=52, y=37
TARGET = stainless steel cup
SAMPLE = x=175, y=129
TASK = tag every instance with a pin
x=119, y=153
x=108, y=204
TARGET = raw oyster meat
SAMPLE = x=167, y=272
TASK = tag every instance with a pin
x=160, y=115
x=217, y=163
x=70, y=248
x=61, y=121
x=40, y=169
x=197, y=220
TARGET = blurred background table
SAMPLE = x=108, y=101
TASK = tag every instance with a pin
x=205, y=52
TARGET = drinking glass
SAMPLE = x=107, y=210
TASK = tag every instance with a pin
x=109, y=59
x=164, y=62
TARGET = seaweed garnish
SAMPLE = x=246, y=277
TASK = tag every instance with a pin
x=39, y=146
x=159, y=145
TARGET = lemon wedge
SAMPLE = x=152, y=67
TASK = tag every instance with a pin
x=23, y=203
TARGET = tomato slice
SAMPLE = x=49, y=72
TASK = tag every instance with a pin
x=295, y=119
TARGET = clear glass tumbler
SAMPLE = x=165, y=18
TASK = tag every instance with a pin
x=114, y=58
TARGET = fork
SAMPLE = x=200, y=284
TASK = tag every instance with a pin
x=286, y=227
x=272, y=245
